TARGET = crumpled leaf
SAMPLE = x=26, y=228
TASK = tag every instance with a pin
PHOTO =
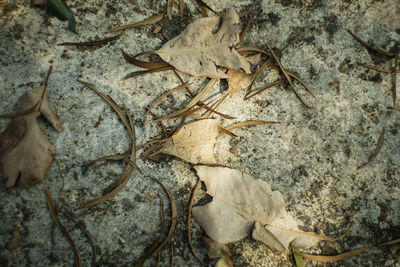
x=199, y=51
x=15, y=241
x=240, y=80
x=194, y=142
x=25, y=153
x=239, y=201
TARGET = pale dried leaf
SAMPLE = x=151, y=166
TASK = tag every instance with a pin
x=25, y=153
x=194, y=142
x=199, y=51
x=239, y=80
x=239, y=200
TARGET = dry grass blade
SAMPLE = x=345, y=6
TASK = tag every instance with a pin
x=93, y=43
x=153, y=247
x=296, y=77
x=53, y=214
x=125, y=176
x=115, y=107
x=213, y=107
x=173, y=218
x=289, y=79
x=225, y=131
x=148, y=21
x=378, y=148
x=84, y=229
x=141, y=72
x=169, y=8
x=181, y=7
x=261, y=89
x=335, y=258
x=203, y=8
x=243, y=33
x=376, y=68
x=127, y=121
x=258, y=72
x=394, y=75
x=248, y=123
x=193, y=102
x=46, y=82
x=211, y=110
x=391, y=242
x=143, y=64
x=161, y=98
x=20, y=113
x=188, y=219
x=368, y=46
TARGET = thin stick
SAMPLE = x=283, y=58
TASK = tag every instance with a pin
x=394, y=93
x=335, y=258
x=248, y=123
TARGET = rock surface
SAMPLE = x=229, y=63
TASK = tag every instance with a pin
x=311, y=156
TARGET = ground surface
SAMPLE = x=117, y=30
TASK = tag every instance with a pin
x=311, y=156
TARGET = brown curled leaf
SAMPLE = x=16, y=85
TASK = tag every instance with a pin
x=143, y=64
x=258, y=72
x=378, y=148
x=64, y=230
x=94, y=42
x=188, y=219
x=173, y=218
x=248, y=123
x=243, y=33
x=335, y=258
x=15, y=241
x=147, y=21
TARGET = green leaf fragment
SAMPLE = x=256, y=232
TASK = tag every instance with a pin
x=297, y=258
x=62, y=12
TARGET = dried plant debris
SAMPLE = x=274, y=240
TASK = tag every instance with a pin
x=126, y=175
x=217, y=250
x=54, y=215
x=148, y=21
x=378, y=148
x=25, y=153
x=240, y=200
x=199, y=51
x=94, y=42
x=194, y=142
x=15, y=241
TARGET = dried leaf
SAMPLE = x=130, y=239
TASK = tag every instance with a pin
x=147, y=21
x=194, y=142
x=239, y=80
x=189, y=221
x=170, y=3
x=239, y=200
x=62, y=12
x=25, y=153
x=217, y=250
x=15, y=241
x=199, y=51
